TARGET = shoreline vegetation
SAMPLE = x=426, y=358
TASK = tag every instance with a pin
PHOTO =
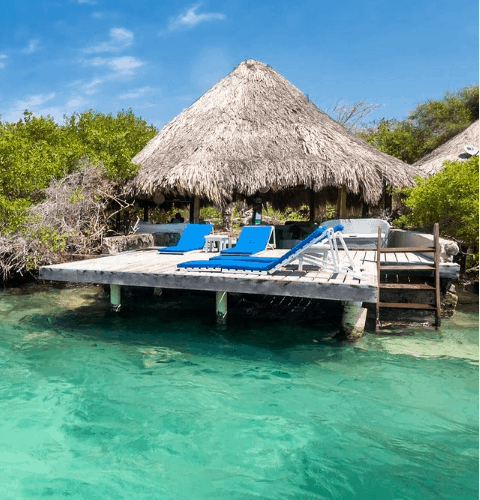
x=63, y=187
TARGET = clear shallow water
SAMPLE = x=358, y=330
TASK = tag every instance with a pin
x=145, y=405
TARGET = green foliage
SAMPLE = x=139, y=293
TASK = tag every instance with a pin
x=13, y=213
x=36, y=150
x=449, y=198
x=429, y=125
x=289, y=214
x=330, y=211
x=210, y=213
x=52, y=240
x=108, y=140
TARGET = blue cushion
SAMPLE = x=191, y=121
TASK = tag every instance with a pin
x=252, y=239
x=259, y=263
x=192, y=238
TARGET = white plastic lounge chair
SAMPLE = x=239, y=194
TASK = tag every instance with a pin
x=265, y=265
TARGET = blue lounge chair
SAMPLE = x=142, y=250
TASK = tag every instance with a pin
x=252, y=239
x=192, y=238
x=261, y=265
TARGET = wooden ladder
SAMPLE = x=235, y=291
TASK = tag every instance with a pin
x=435, y=267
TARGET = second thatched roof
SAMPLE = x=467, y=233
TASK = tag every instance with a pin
x=452, y=150
x=255, y=130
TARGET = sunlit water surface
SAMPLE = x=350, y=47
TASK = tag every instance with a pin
x=160, y=403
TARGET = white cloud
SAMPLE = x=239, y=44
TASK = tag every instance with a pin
x=135, y=93
x=34, y=100
x=121, y=65
x=191, y=18
x=2, y=64
x=91, y=87
x=30, y=103
x=88, y=2
x=72, y=103
x=77, y=101
x=32, y=47
x=120, y=38
x=56, y=113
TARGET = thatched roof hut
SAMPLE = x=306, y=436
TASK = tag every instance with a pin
x=253, y=131
x=452, y=150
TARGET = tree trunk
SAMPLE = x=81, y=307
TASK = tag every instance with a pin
x=227, y=216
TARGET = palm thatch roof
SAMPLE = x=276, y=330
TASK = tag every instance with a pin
x=452, y=150
x=254, y=130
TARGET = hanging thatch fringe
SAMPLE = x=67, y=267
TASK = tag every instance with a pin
x=254, y=130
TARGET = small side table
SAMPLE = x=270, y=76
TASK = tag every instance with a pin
x=214, y=241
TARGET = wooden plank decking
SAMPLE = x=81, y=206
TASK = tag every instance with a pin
x=151, y=269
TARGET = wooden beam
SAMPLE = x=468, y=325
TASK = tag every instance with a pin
x=208, y=282
x=195, y=210
x=438, y=302
x=313, y=205
x=257, y=212
x=342, y=203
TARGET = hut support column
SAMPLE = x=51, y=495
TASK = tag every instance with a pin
x=195, y=210
x=115, y=298
x=221, y=307
x=353, y=320
x=313, y=206
x=145, y=213
x=257, y=212
x=342, y=203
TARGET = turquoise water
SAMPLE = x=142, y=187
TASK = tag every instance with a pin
x=160, y=403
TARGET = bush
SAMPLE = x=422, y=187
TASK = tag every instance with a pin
x=449, y=198
x=36, y=150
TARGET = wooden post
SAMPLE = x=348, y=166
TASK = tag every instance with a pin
x=353, y=320
x=227, y=216
x=438, y=300
x=342, y=203
x=115, y=298
x=365, y=210
x=145, y=213
x=195, y=210
x=221, y=307
x=377, y=305
x=313, y=206
x=257, y=212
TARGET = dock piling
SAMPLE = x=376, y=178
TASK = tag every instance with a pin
x=353, y=320
x=115, y=297
x=221, y=307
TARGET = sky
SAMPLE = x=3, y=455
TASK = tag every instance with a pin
x=156, y=57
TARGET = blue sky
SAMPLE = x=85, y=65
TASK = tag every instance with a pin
x=156, y=57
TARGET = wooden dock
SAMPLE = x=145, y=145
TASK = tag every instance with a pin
x=148, y=268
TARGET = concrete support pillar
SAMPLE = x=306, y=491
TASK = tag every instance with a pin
x=221, y=307
x=115, y=297
x=353, y=320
